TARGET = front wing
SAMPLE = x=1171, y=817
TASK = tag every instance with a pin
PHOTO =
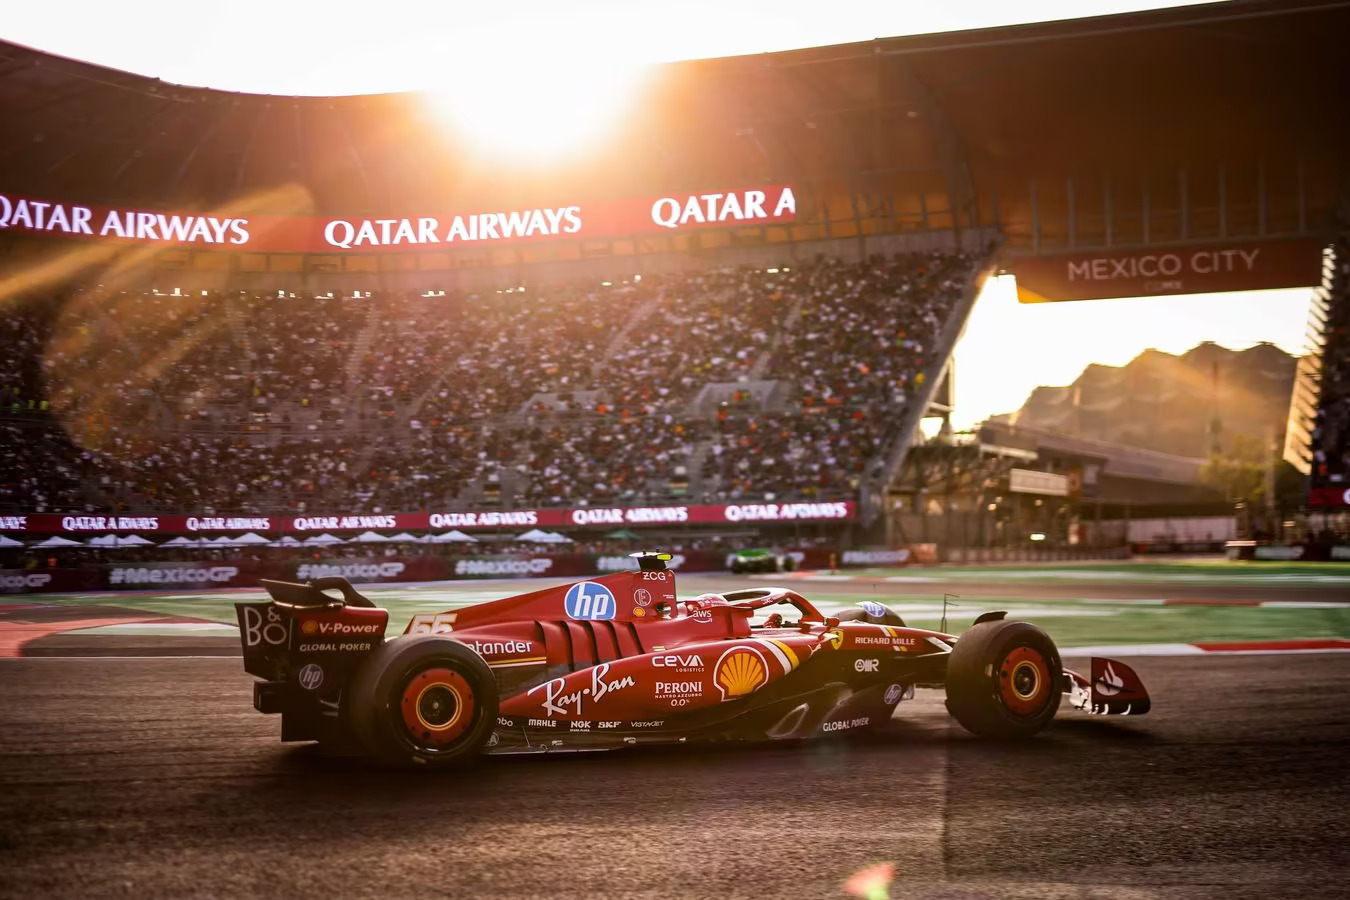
x=1111, y=689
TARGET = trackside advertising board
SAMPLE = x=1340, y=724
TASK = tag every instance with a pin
x=1329, y=497
x=578, y=517
x=1253, y=265
x=432, y=229
x=232, y=572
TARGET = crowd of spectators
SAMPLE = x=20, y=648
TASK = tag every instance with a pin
x=790, y=456
x=567, y=463
x=866, y=332
x=709, y=327
x=256, y=403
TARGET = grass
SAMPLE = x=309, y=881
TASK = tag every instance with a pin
x=1070, y=623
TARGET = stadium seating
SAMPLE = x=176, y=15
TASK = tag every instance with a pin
x=532, y=396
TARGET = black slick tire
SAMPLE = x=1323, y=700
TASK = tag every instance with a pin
x=1004, y=680
x=423, y=702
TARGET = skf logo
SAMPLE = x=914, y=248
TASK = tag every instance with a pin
x=740, y=671
x=866, y=665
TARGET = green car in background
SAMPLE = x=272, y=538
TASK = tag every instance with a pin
x=760, y=560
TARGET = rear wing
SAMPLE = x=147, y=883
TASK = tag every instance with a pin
x=303, y=624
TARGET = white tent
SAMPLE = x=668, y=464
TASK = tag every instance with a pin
x=112, y=540
x=320, y=539
x=370, y=537
x=56, y=541
x=222, y=541
x=181, y=542
x=9, y=542
x=249, y=538
x=553, y=537
x=286, y=541
x=404, y=537
x=453, y=537
x=533, y=536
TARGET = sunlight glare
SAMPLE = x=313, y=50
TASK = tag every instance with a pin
x=539, y=105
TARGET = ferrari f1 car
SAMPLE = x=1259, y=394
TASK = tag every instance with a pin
x=620, y=661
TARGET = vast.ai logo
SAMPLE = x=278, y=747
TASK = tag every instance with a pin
x=589, y=600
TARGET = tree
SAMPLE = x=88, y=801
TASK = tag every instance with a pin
x=1239, y=473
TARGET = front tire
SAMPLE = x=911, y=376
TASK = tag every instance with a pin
x=1003, y=679
x=427, y=701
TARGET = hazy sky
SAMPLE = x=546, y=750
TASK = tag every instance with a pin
x=340, y=47
x=290, y=47
x=1010, y=348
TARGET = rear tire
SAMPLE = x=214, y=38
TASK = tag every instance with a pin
x=427, y=701
x=1004, y=679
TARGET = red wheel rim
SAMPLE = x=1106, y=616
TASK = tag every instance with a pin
x=1024, y=681
x=437, y=707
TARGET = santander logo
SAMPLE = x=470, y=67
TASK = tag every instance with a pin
x=1110, y=683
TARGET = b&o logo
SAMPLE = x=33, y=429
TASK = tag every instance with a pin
x=588, y=600
x=310, y=677
x=271, y=631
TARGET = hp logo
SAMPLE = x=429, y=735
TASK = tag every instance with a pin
x=311, y=676
x=893, y=694
x=589, y=600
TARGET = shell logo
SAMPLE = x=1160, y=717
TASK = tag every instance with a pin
x=740, y=671
x=310, y=626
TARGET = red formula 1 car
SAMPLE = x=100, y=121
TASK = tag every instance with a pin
x=620, y=661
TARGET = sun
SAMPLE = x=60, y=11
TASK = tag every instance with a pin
x=537, y=105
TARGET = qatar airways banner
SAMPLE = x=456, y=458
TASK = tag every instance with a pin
x=1329, y=497
x=1254, y=265
x=579, y=517
x=53, y=523
x=435, y=230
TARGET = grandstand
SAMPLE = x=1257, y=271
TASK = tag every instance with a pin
x=750, y=307
x=564, y=395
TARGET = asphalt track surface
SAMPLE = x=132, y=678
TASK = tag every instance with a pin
x=134, y=777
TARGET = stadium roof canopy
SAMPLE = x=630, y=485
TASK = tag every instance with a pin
x=1254, y=86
